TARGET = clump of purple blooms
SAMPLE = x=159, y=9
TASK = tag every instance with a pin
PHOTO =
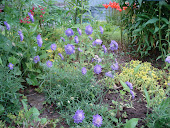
x=69, y=32
x=21, y=35
x=129, y=85
x=115, y=66
x=10, y=65
x=109, y=74
x=39, y=40
x=98, y=69
x=97, y=120
x=53, y=47
x=79, y=31
x=69, y=48
x=7, y=25
x=105, y=49
x=31, y=16
x=132, y=93
x=61, y=56
x=113, y=45
x=167, y=59
x=49, y=64
x=101, y=29
x=76, y=39
x=79, y=116
x=88, y=30
x=36, y=59
x=83, y=70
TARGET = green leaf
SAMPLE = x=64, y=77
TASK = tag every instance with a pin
x=140, y=2
x=136, y=69
x=1, y=109
x=147, y=96
x=0, y=61
x=156, y=30
x=12, y=60
x=24, y=104
x=151, y=21
x=131, y=123
x=43, y=120
x=125, y=87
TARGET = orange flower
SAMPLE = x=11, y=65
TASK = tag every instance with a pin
x=106, y=6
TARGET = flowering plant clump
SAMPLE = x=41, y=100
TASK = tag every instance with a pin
x=69, y=32
x=98, y=69
x=88, y=30
x=69, y=48
x=10, y=66
x=97, y=120
x=36, y=59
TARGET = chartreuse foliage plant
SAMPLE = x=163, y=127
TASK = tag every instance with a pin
x=144, y=75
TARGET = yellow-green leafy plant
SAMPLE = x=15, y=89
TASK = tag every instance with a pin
x=144, y=75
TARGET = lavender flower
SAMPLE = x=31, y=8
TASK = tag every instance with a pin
x=69, y=48
x=61, y=56
x=89, y=30
x=80, y=50
x=53, y=47
x=94, y=44
x=90, y=37
x=98, y=69
x=36, y=59
x=115, y=66
x=79, y=116
x=62, y=39
x=7, y=25
x=31, y=16
x=167, y=59
x=97, y=120
x=105, y=49
x=101, y=29
x=69, y=32
x=97, y=58
x=83, y=70
x=98, y=41
x=10, y=66
x=132, y=93
x=113, y=45
x=49, y=64
x=79, y=31
x=39, y=40
x=109, y=74
x=129, y=85
x=21, y=35
x=76, y=39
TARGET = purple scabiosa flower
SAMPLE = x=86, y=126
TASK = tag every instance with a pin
x=80, y=50
x=79, y=116
x=10, y=66
x=69, y=32
x=98, y=41
x=62, y=39
x=36, y=59
x=7, y=25
x=61, y=56
x=97, y=120
x=49, y=64
x=109, y=74
x=39, y=40
x=98, y=69
x=101, y=29
x=53, y=47
x=31, y=16
x=83, y=70
x=21, y=35
x=129, y=85
x=132, y=93
x=89, y=30
x=168, y=84
x=76, y=39
x=115, y=66
x=90, y=37
x=79, y=31
x=105, y=49
x=113, y=45
x=167, y=59
x=93, y=43
x=69, y=48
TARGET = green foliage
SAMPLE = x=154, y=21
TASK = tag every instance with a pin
x=147, y=24
x=9, y=95
x=28, y=117
x=131, y=123
x=143, y=75
x=160, y=116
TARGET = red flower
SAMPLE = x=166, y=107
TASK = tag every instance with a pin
x=41, y=16
x=30, y=10
x=32, y=13
x=33, y=8
x=119, y=9
x=43, y=12
x=42, y=8
x=124, y=8
x=21, y=21
x=106, y=6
